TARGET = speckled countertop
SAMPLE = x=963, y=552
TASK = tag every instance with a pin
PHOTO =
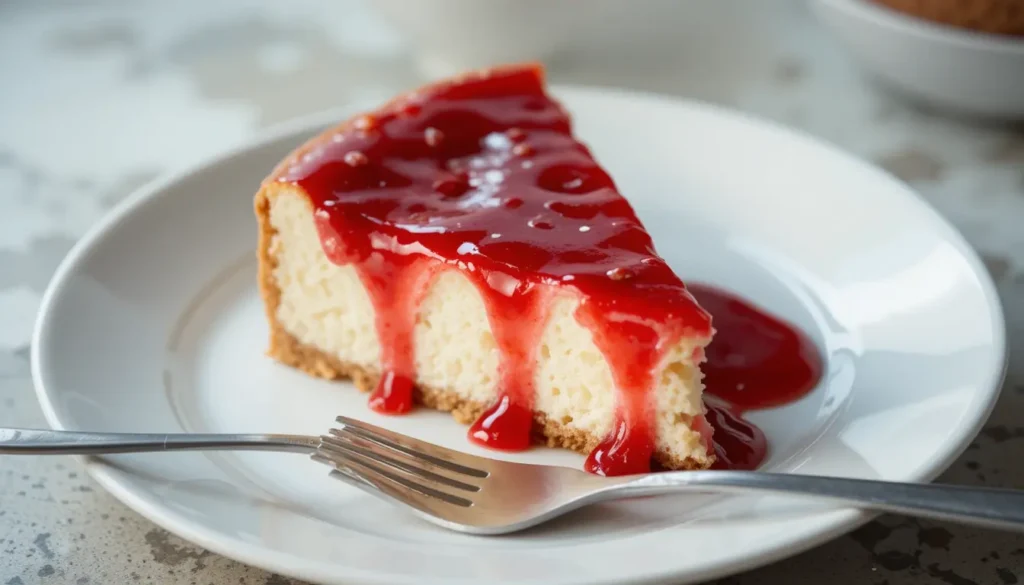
x=99, y=97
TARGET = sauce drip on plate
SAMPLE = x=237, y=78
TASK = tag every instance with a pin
x=754, y=361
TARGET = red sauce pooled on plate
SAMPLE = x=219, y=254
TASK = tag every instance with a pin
x=754, y=361
x=483, y=174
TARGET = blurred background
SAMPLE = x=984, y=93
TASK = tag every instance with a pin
x=101, y=96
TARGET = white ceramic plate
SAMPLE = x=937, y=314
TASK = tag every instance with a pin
x=153, y=324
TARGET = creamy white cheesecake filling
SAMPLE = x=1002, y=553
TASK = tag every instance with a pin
x=325, y=306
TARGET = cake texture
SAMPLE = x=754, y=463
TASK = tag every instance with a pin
x=459, y=249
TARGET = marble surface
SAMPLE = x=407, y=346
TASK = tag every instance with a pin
x=102, y=96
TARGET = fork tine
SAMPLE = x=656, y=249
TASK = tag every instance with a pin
x=348, y=473
x=348, y=441
x=392, y=483
x=430, y=508
x=415, y=448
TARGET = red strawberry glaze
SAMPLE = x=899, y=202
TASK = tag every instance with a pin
x=755, y=361
x=482, y=174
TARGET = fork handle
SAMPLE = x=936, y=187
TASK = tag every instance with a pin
x=990, y=507
x=47, y=442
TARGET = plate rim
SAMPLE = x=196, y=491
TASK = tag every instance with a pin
x=843, y=519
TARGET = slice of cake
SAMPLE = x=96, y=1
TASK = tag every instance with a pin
x=459, y=248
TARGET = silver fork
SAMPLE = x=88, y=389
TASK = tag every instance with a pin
x=477, y=495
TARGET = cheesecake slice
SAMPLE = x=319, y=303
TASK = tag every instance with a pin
x=460, y=249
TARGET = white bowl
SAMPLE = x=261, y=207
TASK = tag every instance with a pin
x=954, y=69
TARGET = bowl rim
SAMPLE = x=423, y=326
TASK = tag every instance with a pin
x=897, y=21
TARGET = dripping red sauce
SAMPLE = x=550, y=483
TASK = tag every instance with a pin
x=483, y=174
x=754, y=361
